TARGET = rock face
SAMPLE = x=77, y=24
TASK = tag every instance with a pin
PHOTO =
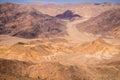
x=106, y=23
x=68, y=15
x=24, y=21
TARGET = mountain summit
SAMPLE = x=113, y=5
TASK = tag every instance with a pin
x=67, y=15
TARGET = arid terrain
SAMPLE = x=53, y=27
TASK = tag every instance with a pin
x=60, y=41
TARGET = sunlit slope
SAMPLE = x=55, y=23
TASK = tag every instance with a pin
x=98, y=47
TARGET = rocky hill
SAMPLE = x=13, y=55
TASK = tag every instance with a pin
x=26, y=22
x=106, y=23
x=68, y=15
x=98, y=47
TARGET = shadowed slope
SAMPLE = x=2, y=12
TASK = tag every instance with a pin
x=24, y=21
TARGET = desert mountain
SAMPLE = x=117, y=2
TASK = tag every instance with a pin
x=68, y=15
x=79, y=55
x=25, y=21
x=106, y=23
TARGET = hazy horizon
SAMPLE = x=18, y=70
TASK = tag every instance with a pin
x=59, y=1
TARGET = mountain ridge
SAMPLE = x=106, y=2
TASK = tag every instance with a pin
x=103, y=23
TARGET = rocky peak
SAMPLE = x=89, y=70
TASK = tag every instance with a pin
x=67, y=15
